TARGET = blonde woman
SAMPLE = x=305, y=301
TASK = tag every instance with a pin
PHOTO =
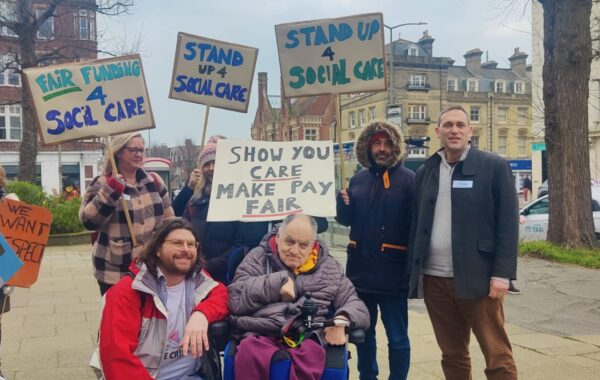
x=101, y=209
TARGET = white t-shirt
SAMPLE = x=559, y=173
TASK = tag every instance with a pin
x=174, y=365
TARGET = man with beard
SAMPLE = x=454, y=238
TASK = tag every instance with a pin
x=377, y=207
x=154, y=318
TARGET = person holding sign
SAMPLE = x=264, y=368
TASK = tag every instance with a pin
x=217, y=237
x=155, y=322
x=5, y=291
x=270, y=286
x=147, y=201
x=377, y=207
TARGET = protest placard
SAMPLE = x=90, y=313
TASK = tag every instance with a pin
x=26, y=228
x=261, y=181
x=9, y=262
x=98, y=98
x=212, y=72
x=332, y=56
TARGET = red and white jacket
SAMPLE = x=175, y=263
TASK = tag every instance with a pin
x=133, y=336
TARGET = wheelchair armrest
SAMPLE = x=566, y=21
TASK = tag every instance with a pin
x=356, y=336
x=218, y=333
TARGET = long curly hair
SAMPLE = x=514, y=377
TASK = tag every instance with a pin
x=149, y=255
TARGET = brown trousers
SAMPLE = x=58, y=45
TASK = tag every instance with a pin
x=453, y=319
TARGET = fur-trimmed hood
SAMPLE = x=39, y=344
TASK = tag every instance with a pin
x=362, y=148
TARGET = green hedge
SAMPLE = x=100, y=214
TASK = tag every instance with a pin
x=65, y=214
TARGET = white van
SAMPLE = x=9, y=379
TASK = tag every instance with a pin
x=534, y=217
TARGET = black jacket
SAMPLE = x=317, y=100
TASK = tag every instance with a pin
x=379, y=221
x=485, y=222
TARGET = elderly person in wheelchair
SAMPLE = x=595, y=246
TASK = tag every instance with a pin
x=267, y=295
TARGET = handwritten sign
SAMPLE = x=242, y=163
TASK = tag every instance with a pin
x=26, y=228
x=258, y=180
x=90, y=99
x=9, y=262
x=332, y=56
x=211, y=72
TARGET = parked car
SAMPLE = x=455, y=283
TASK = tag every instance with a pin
x=543, y=189
x=534, y=217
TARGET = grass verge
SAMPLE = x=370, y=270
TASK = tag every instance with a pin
x=541, y=249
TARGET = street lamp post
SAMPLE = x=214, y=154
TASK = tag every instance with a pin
x=391, y=94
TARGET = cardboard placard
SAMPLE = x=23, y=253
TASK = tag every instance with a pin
x=332, y=56
x=9, y=262
x=211, y=72
x=262, y=181
x=97, y=98
x=26, y=228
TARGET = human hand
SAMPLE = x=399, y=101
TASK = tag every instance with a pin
x=345, y=197
x=335, y=335
x=288, y=291
x=195, y=338
x=194, y=178
x=498, y=288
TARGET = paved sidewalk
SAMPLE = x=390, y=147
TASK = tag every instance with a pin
x=50, y=331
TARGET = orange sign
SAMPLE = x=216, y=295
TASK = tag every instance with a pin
x=26, y=228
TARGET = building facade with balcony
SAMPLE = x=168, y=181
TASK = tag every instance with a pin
x=68, y=36
x=498, y=100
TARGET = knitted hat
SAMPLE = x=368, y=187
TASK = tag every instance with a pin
x=209, y=153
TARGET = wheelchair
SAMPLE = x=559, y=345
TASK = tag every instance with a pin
x=336, y=357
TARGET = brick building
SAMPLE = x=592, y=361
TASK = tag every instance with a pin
x=70, y=35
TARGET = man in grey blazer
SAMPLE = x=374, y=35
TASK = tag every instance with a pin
x=463, y=248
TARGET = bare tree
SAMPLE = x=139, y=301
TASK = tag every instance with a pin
x=22, y=21
x=566, y=73
x=185, y=159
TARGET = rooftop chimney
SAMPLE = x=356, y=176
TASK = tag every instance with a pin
x=489, y=65
x=518, y=61
x=426, y=43
x=262, y=94
x=473, y=59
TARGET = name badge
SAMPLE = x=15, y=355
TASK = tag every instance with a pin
x=462, y=184
x=127, y=197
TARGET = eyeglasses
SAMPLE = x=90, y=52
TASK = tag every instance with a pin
x=183, y=243
x=135, y=150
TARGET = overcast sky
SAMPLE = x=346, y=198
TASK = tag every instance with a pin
x=494, y=26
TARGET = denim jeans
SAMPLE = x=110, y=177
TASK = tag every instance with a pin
x=394, y=315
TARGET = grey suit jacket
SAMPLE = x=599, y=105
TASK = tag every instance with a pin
x=485, y=222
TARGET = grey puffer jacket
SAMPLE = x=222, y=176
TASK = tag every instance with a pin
x=255, y=304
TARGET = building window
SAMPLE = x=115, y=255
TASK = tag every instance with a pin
x=9, y=75
x=502, y=114
x=502, y=143
x=84, y=23
x=451, y=84
x=310, y=134
x=522, y=115
x=413, y=51
x=522, y=144
x=295, y=135
x=499, y=86
x=372, y=113
x=417, y=111
x=10, y=122
x=475, y=114
x=8, y=11
x=361, y=117
x=352, y=120
x=475, y=141
x=472, y=85
x=519, y=87
x=46, y=30
x=416, y=81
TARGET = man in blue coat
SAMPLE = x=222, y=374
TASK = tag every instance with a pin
x=463, y=248
x=377, y=207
